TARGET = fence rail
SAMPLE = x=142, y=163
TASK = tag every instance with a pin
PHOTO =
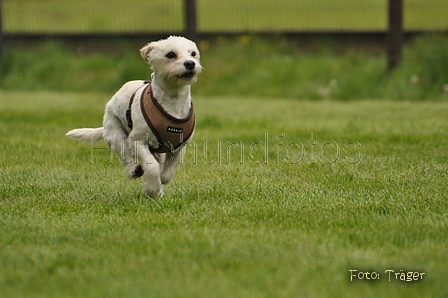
x=385, y=21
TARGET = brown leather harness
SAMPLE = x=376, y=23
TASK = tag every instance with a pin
x=171, y=132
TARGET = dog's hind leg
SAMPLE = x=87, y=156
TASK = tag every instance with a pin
x=117, y=138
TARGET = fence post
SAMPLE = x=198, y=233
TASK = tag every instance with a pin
x=190, y=20
x=395, y=34
x=1, y=32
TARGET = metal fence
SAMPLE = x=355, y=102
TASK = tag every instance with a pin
x=43, y=19
x=230, y=16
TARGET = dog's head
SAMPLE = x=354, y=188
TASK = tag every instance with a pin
x=176, y=58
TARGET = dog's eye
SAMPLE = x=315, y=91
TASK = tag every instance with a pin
x=193, y=54
x=171, y=55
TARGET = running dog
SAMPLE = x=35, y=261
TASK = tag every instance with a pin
x=149, y=121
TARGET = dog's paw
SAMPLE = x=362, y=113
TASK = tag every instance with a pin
x=152, y=193
x=135, y=171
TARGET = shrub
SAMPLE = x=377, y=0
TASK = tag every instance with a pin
x=423, y=73
x=245, y=66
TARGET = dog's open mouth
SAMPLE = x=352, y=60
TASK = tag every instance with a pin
x=188, y=75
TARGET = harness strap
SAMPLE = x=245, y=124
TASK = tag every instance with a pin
x=128, y=111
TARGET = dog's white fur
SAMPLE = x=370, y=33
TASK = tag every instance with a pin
x=171, y=60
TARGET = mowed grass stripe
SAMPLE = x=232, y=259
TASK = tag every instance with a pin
x=73, y=226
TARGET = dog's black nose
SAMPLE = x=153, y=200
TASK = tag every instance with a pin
x=189, y=64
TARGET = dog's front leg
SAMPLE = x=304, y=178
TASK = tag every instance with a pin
x=172, y=160
x=152, y=185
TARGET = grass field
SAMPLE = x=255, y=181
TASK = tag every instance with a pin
x=321, y=188
x=234, y=15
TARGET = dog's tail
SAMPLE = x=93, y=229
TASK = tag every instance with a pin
x=86, y=135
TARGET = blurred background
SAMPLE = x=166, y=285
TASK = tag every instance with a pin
x=337, y=49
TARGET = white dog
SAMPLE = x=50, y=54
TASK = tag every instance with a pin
x=150, y=121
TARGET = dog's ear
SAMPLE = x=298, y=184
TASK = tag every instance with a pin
x=144, y=52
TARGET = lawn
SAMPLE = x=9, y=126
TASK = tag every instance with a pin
x=275, y=198
x=216, y=16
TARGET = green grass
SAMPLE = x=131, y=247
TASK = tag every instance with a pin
x=71, y=225
x=235, y=15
